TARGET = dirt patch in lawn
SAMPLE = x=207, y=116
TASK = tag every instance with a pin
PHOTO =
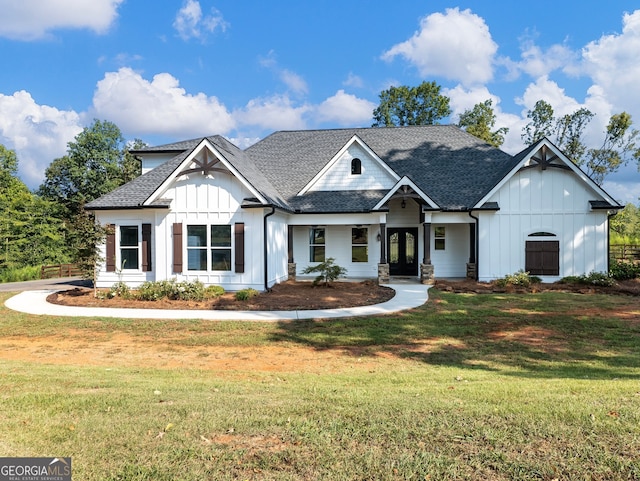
x=283, y=297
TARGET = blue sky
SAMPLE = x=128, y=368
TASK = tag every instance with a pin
x=172, y=70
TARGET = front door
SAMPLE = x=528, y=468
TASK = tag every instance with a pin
x=402, y=243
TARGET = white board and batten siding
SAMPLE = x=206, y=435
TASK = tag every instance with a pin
x=338, y=245
x=552, y=201
x=214, y=200
x=338, y=176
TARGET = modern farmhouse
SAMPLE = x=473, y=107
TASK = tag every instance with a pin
x=422, y=202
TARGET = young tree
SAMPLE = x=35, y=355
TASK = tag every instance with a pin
x=618, y=146
x=421, y=105
x=480, y=120
x=86, y=236
x=541, y=123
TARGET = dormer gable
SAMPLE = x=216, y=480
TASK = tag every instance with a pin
x=406, y=189
x=354, y=167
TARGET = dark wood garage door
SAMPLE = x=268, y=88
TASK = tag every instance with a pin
x=543, y=258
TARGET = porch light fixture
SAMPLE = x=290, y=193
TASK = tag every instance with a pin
x=403, y=204
x=378, y=237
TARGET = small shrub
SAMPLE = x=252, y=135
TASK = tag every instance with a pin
x=19, y=274
x=188, y=291
x=246, y=294
x=211, y=292
x=624, y=270
x=120, y=289
x=155, y=290
x=600, y=279
x=520, y=279
x=328, y=271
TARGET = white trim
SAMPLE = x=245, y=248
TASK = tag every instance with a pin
x=205, y=143
x=354, y=140
x=406, y=181
x=563, y=158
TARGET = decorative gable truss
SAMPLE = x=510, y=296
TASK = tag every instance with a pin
x=205, y=159
x=354, y=168
x=405, y=189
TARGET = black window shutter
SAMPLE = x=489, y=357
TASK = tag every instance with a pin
x=239, y=241
x=146, y=248
x=177, y=248
x=111, y=248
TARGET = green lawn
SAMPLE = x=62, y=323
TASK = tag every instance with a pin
x=536, y=386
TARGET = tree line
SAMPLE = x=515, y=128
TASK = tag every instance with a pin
x=49, y=225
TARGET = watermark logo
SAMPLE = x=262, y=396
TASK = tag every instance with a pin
x=35, y=469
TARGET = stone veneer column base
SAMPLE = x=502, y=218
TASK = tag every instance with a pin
x=291, y=271
x=427, y=273
x=383, y=273
x=472, y=270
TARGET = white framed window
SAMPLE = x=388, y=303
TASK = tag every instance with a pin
x=209, y=247
x=317, y=244
x=129, y=247
x=359, y=244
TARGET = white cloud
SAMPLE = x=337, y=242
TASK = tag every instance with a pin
x=538, y=63
x=34, y=19
x=456, y=45
x=159, y=106
x=353, y=80
x=346, y=110
x=612, y=63
x=274, y=113
x=191, y=23
x=294, y=82
x=38, y=133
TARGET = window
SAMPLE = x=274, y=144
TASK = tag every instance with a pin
x=316, y=244
x=359, y=244
x=356, y=167
x=209, y=247
x=439, y=236
x=220, y=247
x=129, y=248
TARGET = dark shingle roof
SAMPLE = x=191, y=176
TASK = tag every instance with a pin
x=452, y=167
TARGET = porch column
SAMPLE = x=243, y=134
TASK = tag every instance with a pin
x=291, y=266
x=426, y=268
x=472, y=267
x=383, y=267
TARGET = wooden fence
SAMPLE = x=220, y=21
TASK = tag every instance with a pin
x=624, y=252
x=60, y=270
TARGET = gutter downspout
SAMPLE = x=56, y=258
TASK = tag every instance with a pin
x=477, y=244
x=266, y=264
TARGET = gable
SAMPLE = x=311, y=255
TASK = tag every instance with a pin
x=339, y=173
x=545, y=177
x=208, y=162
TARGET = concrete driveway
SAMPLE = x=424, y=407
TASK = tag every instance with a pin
x=45, y=284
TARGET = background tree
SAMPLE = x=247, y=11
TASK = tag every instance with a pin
x=541, y=123
x=618, y=146
x=625, y=225
x=480, y=120
x=421, y=105
x=30, y=233
x=97, y=162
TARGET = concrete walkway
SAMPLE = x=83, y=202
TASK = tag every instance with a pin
x=407, y=296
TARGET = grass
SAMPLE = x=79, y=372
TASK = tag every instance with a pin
x=537, y=386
